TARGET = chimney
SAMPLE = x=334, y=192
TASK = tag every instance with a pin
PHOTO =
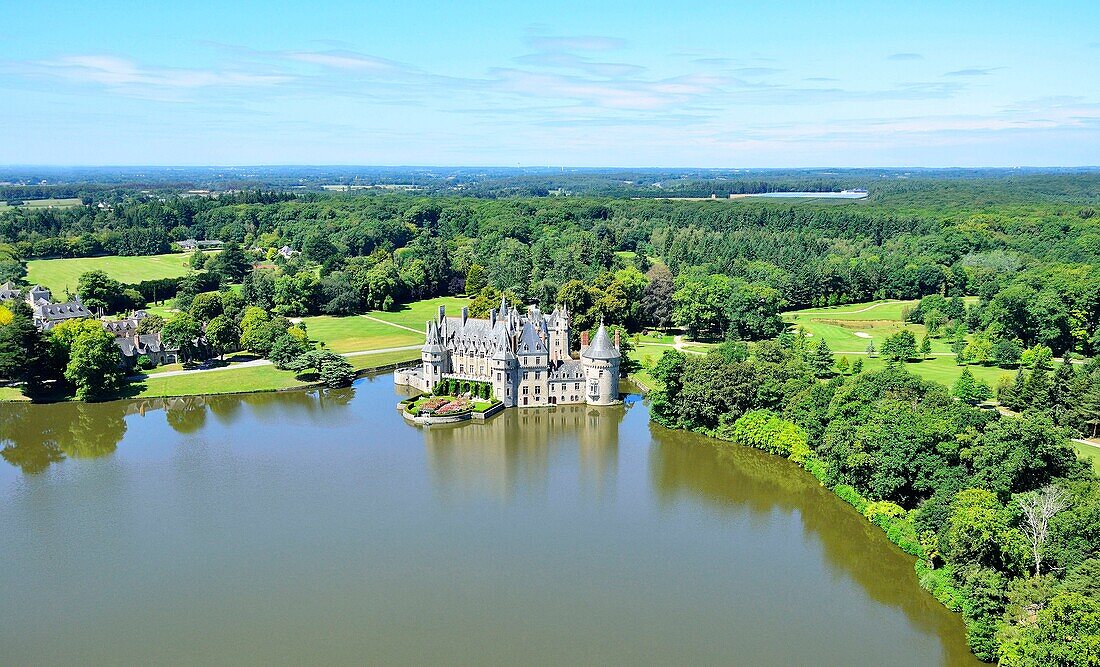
x=442, y=313
x=492, y=318
x=584, y=339
x=465, y=314
x=616, y=339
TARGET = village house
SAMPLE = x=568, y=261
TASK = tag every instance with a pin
x=131, y=343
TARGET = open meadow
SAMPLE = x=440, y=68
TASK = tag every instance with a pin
x=67, y=202
x=62, y=274
x=355, y=333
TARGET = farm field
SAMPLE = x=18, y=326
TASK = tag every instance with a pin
x=354, y=333
x=45, y=203
x=61, y=274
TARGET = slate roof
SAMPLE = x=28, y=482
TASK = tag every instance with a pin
x=432, y=342
x=139, y=345
x=567, y=371
x=601, y=347
x=529, y=341
x=55, y=312
x=8, y=291
x=503, y=346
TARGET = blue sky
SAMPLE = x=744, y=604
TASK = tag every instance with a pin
x=718, y=84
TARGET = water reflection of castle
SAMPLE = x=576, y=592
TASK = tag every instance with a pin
x=518, y=448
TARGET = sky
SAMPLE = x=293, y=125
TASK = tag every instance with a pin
x=617, y=84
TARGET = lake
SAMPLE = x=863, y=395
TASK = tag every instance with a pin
x=318, y=527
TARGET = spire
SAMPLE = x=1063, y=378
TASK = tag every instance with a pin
x=503, y=351
x=601, y=347
x=503, y=303
x=432, y=342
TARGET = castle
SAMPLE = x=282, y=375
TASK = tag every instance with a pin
x=525, y=357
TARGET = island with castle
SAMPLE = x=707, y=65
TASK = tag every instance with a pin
x=514, y=359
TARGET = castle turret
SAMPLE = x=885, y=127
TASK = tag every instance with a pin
x=601, y=369
x=432, y=357
x=503, y=368
x=559, y=335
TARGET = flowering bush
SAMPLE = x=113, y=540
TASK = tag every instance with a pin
x=455, y=406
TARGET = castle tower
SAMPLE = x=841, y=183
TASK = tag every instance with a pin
x=601, y=369
x=559, y=335
x=431, y=356
x=534, y=368
x=503, y=369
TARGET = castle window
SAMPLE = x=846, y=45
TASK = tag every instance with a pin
x=498, y=377
x=525, y=390
x=538, y=389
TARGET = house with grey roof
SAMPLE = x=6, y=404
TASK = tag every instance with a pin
x=525, y=358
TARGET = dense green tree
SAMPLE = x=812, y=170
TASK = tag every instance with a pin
x=820, y=359
x=223, y=334
x=182, y=331
x=205, y=307
x=94, y=367
x=476, y=279
x=901, y=346
x=1066, y=633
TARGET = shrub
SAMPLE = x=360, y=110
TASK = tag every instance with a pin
x=849, y=495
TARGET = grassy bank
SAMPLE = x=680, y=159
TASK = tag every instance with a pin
x=61, y=274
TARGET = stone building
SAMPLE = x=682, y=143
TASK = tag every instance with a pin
x=525, y=357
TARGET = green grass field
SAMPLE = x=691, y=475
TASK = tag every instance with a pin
x=848, y=329
x=414, y=315
x=44, y=203
x=354, y=333
x=61, y=274
x=1089, y=453
x=253, y=378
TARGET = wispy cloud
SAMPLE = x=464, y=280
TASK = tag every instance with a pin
x=974, y=71
x=347, y=60
x=756, y=71
x=575, y=43
x=120, y=72
x=905, y=56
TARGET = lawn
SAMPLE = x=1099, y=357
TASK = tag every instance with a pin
x=414, y=315
x=1089, y=453
x=8, y=394
x=61, y=274
x=849, y=328
x=938, y=369
x=255, y=378
x=354, y=333
x=252, y=378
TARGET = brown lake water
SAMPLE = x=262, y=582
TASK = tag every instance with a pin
x=318, y=527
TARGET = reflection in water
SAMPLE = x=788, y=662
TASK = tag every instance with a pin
x=320, y=517
x=32, y=437
x=513, y=449
x=744, y=479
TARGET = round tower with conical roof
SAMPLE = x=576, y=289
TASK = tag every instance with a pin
x=502, y=366
x=432, y=357
x=601, y=369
